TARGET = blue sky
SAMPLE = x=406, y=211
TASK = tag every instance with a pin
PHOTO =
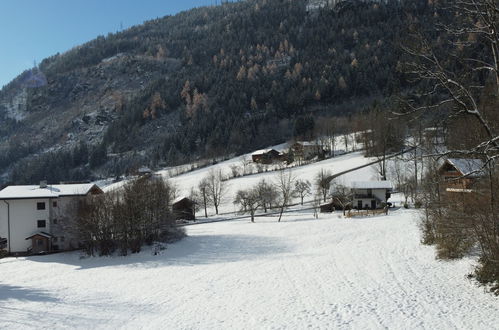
x=33, y=29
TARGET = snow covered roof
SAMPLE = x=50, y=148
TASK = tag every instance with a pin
x=179, y=199
x=51, y=191
x=371, y=185
x=467, y=166
x=144, y=169
x=263, y=151
x=308, y=143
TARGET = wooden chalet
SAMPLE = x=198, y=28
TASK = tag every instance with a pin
x=461, y=174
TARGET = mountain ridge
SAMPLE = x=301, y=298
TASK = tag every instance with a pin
x=202, y=83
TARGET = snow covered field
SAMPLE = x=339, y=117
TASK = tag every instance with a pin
x=187, y=181
x=330, y=273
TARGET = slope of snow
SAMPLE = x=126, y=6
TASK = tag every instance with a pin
x=330, y=273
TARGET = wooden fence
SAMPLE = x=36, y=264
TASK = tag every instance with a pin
x=366, y=213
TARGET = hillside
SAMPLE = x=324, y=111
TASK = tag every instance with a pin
x=203, y=83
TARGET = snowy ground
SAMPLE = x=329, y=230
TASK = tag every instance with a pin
x=330, y=273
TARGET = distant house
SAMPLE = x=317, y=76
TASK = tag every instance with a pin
x=460, y=174
x=266, y=156
x=370, y=194
x=184, y=209
x=144, y=171
x=305, y=150
x=37, y=219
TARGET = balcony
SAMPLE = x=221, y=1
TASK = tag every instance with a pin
x=363, y=196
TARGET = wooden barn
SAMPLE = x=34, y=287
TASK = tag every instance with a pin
x=184, y=209
x=266, y=156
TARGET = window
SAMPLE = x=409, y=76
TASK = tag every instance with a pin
x=41, y=223
x=54, y=240
x=54, y=221
x=39, y=242
x=54, y=204
x=40, y=206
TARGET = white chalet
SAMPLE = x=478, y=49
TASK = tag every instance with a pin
x=36, y=219
x=370, y=194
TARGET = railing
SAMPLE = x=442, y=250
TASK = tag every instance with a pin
x=363, y=196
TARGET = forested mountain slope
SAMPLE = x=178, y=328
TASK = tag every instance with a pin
x=205, y=82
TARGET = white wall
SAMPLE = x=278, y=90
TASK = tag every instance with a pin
x=23, y=221
x=3, y=219
x=379, y=193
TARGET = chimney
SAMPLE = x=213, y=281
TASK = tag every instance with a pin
x=43, y=184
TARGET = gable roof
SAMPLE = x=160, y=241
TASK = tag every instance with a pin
x=181, y=199
x=264, y=151
x=470, y=167
x=41, y=233
x=51, y=191
x=308, y=143
x=371, y=185
x=144, y=169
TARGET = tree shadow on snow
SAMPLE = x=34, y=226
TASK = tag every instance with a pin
x=190, y=251
x=20, y=293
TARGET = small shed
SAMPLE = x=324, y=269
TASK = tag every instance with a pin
x=327, y=208
x=184, y=209
x=40, y=242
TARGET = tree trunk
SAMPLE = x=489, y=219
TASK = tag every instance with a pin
x=204, y=201
x=280, y=213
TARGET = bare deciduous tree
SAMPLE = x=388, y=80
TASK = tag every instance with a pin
x=303, y=188
x=284, y=184
x=342, y=196
x=267, y=194
x=216, y=188
x=125, y=220
x=249, y=200
x=203, y=192
x=322, y=182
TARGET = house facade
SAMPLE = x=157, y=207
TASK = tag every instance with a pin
x=460, y=174
x=37, y=219
x=305, y=150
x=370, y=194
